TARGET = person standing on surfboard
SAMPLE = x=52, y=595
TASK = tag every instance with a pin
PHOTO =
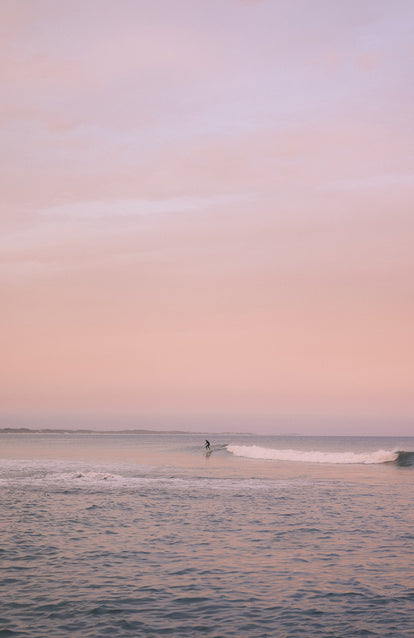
x=208, y=446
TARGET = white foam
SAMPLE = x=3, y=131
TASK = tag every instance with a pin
x=312, y=456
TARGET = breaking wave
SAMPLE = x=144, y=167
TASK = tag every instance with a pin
x=315, y=456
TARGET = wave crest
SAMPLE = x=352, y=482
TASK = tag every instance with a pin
x=313, y=456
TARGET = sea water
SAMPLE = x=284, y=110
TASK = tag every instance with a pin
x=147, y=535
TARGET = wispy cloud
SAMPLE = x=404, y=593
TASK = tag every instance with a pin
x=135, y=207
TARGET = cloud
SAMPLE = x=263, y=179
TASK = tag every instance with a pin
x=135, y=207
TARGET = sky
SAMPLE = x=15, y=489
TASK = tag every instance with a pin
x=207, y=215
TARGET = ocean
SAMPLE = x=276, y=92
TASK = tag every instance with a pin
x=147, y=535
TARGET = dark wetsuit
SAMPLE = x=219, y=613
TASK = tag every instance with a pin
x=208, y=448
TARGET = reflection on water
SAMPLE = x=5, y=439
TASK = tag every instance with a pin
x=150, y=537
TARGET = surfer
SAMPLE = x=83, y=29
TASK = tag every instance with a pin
x=208, y=446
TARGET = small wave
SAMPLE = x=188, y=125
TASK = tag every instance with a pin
x=99, y=476
x=313, y=456
x=405, y=459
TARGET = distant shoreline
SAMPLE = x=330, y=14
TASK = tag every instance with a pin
x=87, y=431
x=146, y=432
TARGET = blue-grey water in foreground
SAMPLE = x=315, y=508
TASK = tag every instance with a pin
x=134, y=535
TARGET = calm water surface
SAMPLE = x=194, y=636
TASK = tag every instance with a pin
x=107, y=535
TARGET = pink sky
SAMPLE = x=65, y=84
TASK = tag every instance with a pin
x=207, y=215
